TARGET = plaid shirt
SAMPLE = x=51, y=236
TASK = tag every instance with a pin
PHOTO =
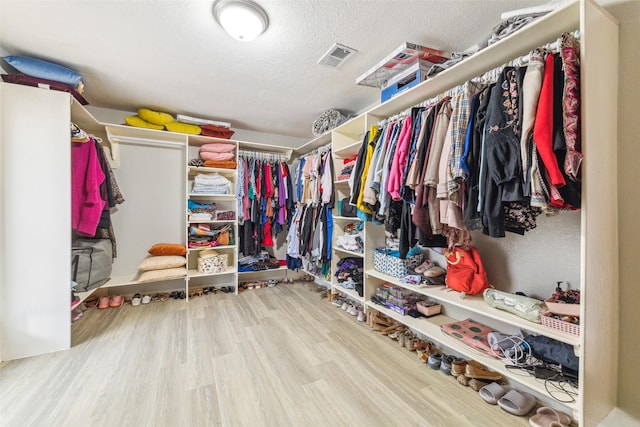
x=461, y=108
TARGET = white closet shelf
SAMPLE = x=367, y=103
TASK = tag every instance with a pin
x=282, y=267
x=346, y=218
x=430, y=327
x=476, y=304
x=213, y=221
x=317, y=142
x=201, y=169
x=129, y=280
x=221, y=196
x=341, y=182
x=349, y=292
x=195, y=273
x=321, y=281
x=211, y=247
x=357, y=254
x=347, y=151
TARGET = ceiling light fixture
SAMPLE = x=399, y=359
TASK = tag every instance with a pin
x=242, y=19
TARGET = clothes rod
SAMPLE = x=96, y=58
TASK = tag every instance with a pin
x=262, y=155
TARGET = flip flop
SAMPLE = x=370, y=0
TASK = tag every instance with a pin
x=491, y=393
x=545, y=417
x=517, y=403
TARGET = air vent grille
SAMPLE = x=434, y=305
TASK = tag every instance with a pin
x=337, y=55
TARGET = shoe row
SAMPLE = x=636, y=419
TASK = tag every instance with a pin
x=259, y=284
x=353, y=309
x=469, y=373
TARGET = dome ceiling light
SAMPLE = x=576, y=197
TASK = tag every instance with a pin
x=244, y=20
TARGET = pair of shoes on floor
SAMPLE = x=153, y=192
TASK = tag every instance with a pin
x=475, y=375
x=177, y=295
x=198, y=292
x=227, y=289
x=112, y=301
x=520, y=403
x=272, y=282
x=91, y=302
x=549, y=417
x=76, y=314
x=159, y=297
x=138, y=299
x=447, y=365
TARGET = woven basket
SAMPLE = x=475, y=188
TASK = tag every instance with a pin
x=559, y=325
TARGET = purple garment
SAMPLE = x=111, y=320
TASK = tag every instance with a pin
x=282, y=200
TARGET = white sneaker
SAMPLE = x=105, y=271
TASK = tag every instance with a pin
x=361, y=316
x=345, y=305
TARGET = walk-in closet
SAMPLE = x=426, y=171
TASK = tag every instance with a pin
x=258, y=279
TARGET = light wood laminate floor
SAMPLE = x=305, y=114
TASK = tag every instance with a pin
x=268, y=357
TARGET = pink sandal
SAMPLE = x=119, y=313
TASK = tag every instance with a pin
x=116, y=301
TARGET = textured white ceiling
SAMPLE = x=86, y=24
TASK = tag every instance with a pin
x=172, y=56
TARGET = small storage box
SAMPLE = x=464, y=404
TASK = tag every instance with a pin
x=394, y=266
x=428, y=308
x=552, y=323
x=562, y=309
x=213, y=262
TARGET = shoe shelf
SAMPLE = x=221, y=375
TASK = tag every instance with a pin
x=195, y=273
x=430, y=327
x=351, y=293
x=130, y=280
x=351, y=253
x=323, y=282
x=476, y=304
x=282, y=267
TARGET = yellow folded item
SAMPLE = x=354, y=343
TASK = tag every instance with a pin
x=155, y=117
x=183, y=128
x=139, y=123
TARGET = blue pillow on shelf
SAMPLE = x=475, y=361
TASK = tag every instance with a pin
x=44, y=70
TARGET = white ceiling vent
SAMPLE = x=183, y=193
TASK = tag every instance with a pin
x=336, y=56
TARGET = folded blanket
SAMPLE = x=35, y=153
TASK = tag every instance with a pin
x=222, y=164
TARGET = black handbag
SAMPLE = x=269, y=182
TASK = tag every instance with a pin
x=348, y=210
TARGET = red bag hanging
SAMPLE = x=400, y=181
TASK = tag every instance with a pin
x=465, y=271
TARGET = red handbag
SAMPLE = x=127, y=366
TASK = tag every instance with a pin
x=465, y=271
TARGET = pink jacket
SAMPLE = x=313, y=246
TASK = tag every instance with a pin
x=399, y=161
x=86, y=178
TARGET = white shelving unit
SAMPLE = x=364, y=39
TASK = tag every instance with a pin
x=597, y=250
